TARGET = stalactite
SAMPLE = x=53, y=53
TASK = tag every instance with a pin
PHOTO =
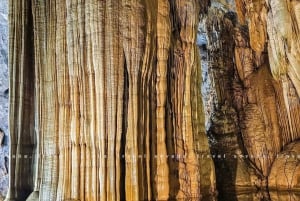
x=184, y=59
x=146, y=130
x=206, y=165
x=22, y=112
x=163, y=44
x=105, y=100
x=133, y=48
x=232, y=168
x=103, y=116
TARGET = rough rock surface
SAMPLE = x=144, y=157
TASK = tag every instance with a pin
x=233, y=170
x=274, y=98
x=3, y=97
x=285, y=172
x=106, y=102
x=252, y=105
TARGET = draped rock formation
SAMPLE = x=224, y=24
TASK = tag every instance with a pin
x=232, y=169
x=104, y=101
x=273, y=31
x=253, y=103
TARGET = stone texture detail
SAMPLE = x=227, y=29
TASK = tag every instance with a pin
x=233, y=170
x=103, y=93
x=105, y=101
x=4, y=94
x=268, y=122
x=285, y=172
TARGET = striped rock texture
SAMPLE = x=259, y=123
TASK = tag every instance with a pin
x=270, y=120
x=105, y=101
x=232, y=169
x=285, y=173
x=252, y=100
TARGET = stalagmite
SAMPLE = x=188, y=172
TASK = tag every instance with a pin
x=22, y=109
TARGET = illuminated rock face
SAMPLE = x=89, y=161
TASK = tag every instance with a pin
x=105, y=100
x=270, y=119
x=255, y=103
x=285, y=172
x=101, y=93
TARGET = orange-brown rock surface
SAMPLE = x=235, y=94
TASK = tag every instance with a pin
x=251, y=99
x=105, y=102
x=285, y=174
x=105, y=99
x=273, y=83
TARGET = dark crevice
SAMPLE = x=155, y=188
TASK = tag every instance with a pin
x=123, y=136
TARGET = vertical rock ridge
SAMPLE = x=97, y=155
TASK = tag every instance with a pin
x=221, y=95
x=111, y=98
x=22, y=109
x=49, y=113
x=39, y=21
x=133, y=42
x=63, y=80
x=163, y=44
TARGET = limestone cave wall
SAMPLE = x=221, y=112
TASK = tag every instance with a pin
x=251, y=99
x=273, y=37
x=105, y=99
